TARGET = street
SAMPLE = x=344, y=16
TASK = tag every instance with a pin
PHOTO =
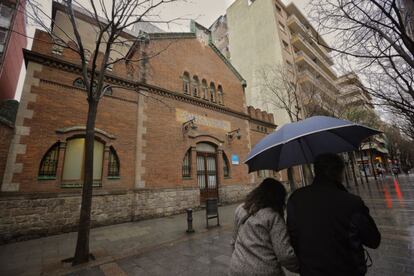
x=161, y=246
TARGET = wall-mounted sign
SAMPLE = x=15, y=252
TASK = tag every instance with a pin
x=235, y=159
x=184, y=116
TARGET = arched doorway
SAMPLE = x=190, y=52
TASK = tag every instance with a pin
x=207, y=171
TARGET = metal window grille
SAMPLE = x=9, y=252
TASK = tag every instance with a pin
x=201, y=177
x=48, y=165
x=187, y=164
x=108, y=91
x=211, y=172
x=79, y=83
x=113, y=164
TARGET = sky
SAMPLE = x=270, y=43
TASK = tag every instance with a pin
x=204, y=12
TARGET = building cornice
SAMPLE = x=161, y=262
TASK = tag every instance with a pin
x=138, y=86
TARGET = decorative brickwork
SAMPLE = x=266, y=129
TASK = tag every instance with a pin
x=143, y=122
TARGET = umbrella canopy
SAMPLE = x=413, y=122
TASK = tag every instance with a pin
x=300, y=142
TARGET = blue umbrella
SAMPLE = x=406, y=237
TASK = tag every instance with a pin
x=300, y=142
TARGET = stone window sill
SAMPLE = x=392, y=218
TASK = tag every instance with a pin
x=46, y=178
x=114, y=177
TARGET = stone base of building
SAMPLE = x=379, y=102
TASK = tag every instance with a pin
x=234, y=193
x=30, y=216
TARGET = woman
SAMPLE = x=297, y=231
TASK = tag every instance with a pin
x=260, y=241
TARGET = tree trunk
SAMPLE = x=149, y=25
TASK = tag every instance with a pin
x=351, y=157
x=291, y=179
x=82, y=254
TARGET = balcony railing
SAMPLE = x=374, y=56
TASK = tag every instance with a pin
x=317, y=68
x=293, y=19
x=313, y=48
x=317, y=83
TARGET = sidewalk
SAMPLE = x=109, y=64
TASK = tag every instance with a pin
x=109, y=243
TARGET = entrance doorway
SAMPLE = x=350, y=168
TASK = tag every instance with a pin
x=207, y=171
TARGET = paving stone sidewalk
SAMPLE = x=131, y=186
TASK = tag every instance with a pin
x=44, y=255
x=161, y=247
x=392, y=206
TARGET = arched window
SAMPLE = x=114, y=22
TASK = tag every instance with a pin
x=204, y=88
x=108, y=91
x=186, y=83
x=113, y=164
x=196, y=86
x=226, y=166
x=212, y=92
x=220, y=94
x=73, y=166
x=48, y=165
x=187, y=164
x=79, y=83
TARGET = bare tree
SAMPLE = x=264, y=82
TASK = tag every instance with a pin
x=375, y=38
x=110, y=21
x=399, y=147
x=281, y=89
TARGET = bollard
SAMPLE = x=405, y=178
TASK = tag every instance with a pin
x=190, y=221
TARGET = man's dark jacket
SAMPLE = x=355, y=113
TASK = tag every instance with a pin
x=327, y=227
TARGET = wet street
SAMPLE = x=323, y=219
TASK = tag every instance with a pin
x=391, y=203
x=162, y=247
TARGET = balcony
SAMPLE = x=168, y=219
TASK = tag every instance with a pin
x=306, y=76
x=303, y=45
x=297, y=27
x=301, y=57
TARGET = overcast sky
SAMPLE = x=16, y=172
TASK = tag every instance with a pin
x=204, y=12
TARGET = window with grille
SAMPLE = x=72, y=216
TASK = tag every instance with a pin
x=186, y=169
x=108, y=91
x=226, y=169
x=48, y=165
x=113, y=164
x=79, y=83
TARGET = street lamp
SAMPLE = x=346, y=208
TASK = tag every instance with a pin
x=233, y=134
x=190, y=124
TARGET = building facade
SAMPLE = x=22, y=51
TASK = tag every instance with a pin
x=12, y=41
x=373, y=154
x=169, y=134
x=267, y=34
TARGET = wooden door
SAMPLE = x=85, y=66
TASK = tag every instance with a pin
x=207, y=175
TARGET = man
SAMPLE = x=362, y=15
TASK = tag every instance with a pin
x=328, y=226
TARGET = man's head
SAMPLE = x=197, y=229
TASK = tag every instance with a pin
x=329, y=166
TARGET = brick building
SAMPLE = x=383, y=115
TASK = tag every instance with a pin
x=168, y=135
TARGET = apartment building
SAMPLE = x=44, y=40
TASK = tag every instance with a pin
x=373, y=153
x=352, y=92
x=12, y=41
x=267, y=33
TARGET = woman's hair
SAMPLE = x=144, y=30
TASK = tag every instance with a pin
x=269, y=194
